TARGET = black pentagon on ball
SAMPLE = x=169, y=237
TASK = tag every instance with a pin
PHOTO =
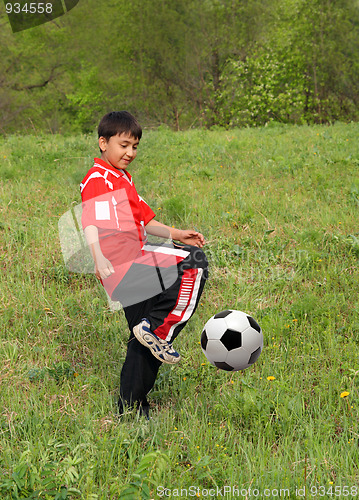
x=222, y=314
x=254, y=324
x=223, y=366
x=254, y=356
x=204, y=340
x=231, y=339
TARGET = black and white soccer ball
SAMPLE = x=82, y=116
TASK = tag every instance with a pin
x=232, y=340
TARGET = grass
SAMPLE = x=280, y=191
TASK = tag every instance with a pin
x=279, y=209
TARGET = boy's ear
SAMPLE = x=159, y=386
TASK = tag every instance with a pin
x=102, y=143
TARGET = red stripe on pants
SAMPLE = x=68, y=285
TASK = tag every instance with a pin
x=184, y=298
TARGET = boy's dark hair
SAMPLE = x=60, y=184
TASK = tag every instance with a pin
x=119, y=122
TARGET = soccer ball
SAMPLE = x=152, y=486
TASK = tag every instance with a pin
x=232, y=340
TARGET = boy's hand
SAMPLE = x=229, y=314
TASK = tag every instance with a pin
x=189, y=237
x=103, y=267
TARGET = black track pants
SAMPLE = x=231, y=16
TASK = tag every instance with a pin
x=168, y=313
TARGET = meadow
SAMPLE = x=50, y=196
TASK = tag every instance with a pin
x=278, y=207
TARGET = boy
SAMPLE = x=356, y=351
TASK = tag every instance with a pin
x=158, y=286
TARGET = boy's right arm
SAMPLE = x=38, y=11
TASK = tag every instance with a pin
x=103, y=267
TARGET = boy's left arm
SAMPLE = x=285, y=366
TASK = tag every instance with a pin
x=186, y=236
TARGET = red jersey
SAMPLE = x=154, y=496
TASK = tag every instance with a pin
x=111, y=203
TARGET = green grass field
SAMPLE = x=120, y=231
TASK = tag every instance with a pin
x=279, y=209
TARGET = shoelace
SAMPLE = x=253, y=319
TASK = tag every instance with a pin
x=169, y=347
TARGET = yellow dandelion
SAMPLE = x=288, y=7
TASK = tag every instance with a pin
x=344, y=394
x=76, y=374
x=294, y=320
x=270, y=378
x=184, y=378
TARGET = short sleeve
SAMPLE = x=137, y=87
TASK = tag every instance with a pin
x=148, y=213
x=96, y=202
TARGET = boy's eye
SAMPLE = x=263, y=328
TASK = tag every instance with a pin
x=126, y=145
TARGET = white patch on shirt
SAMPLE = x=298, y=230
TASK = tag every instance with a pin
x=102, y=210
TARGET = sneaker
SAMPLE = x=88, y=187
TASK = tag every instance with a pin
x=161, y=349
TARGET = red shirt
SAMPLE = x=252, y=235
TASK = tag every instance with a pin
x=112, y=204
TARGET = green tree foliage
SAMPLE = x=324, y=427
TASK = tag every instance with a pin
x=194, y=63
x=304, y=71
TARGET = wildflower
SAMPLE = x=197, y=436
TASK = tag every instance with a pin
x=184, y=378
x=270, y=378
x=76, y=374
x=344, y=394
x=294, y=320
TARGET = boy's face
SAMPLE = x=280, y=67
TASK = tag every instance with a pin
x=119, y=150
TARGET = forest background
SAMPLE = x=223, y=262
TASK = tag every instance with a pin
x=193, y=63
